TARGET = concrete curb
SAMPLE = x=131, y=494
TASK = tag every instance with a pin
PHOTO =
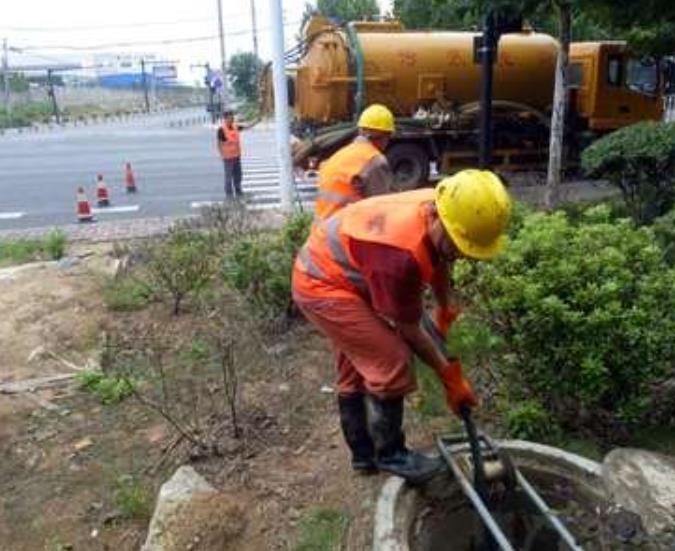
x=94, y=120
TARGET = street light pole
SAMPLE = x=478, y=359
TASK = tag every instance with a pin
x=281, y=106
x=5, y=76
x=223, y=61
x=52, y=95
x=144, y=82
x=254, y=26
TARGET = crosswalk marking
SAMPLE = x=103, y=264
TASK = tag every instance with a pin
x=11, y=215
x=116, y=210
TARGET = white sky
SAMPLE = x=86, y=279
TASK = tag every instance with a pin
x=82, y=23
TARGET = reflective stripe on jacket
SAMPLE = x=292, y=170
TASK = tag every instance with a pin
x=230, y=148
x=336, y=175
x=325, y=268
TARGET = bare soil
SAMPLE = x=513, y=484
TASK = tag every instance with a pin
x=62, y=451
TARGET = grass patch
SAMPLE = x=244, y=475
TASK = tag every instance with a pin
x=322, y=530
x=126, y=294
x=20, y=251
x=109, y=389
x=131, y=498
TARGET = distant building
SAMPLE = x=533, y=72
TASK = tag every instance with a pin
x=124, y=70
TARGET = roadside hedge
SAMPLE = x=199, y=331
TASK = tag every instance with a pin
x=640, y=161
x=586, y=313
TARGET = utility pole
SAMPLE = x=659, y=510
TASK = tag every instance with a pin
x=254, y=26
x=5, y=76
x=52, y=95
x=144, y=82
x=281, y=106
x=223, y=61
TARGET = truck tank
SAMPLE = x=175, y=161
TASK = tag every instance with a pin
x=343, y=70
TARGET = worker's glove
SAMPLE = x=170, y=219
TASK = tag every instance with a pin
x=444, y=317
x=458, y=391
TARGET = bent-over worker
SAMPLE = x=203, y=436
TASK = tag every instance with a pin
x=360, y=279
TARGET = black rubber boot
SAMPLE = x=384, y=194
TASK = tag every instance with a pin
x=354, y=425
x=386, y=422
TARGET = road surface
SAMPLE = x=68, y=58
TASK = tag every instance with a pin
x=176, y=166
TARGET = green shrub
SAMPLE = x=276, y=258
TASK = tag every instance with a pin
x=322, y=530
x=587, y=316
x=530, y=420
x=131, y=498
x=19, y=251
x=126, y=294
x=54, y=244
x=640, y=161
x=110, y=389
x=664, y=230
x=182, y=264
x=259, y=267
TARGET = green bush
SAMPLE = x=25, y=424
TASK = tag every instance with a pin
x=54, y=244
x=19, y=251
x=259, y=266
x=110, y=389
x=530, y=420
x=586, y=313
x=664, y=230
x=126, y=294
x=131, y=498
x=182, y=264
x=640, y=161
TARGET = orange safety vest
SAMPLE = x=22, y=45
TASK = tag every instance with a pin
x=325, y=268
x=336, y=175
x=231, y=148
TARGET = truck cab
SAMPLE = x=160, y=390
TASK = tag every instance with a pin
x=611, y=88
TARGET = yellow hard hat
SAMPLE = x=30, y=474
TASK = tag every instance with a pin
x=474, y=208
x=377, y=117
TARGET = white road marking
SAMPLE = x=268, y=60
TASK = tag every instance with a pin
x=11, y=215
x=116, y=210
x=202, y=204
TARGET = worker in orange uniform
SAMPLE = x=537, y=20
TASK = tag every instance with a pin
x=229, y=146
x=360, y=278
x=359, y=169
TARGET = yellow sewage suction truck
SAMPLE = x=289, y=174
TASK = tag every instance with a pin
x=431, y=82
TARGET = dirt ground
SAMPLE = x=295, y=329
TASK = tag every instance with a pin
x=62, y=451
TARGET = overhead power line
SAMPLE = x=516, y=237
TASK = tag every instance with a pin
x=167, y=41
x=115, y=25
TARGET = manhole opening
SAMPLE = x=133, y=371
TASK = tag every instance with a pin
x=448, y=522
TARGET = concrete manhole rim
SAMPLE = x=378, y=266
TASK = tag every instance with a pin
x=387, y=537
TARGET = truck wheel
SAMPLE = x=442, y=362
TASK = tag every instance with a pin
x=410, y=165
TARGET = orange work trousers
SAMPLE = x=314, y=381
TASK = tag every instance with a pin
x=370, y=356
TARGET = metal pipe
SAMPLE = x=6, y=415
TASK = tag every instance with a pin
x=477, y=502
x=550, y=517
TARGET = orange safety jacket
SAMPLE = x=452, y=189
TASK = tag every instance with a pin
x=325, y=268
x=336, y=175
x=231, y=147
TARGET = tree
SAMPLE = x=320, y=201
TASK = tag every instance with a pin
x=648, y=25
x=439, y=14
x=341, y=10
x=243, y=70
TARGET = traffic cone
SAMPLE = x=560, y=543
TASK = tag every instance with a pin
x=83, y=208
x=130, y=180
x=102, y=197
